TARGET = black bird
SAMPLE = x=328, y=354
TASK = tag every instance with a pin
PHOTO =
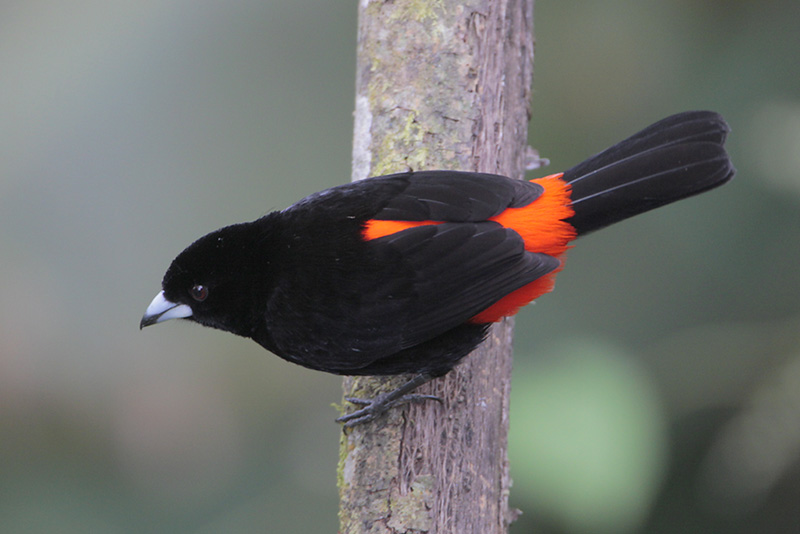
x=403, y=274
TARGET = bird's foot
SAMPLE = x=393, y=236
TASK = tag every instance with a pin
x=377, y=406
x=374, y=408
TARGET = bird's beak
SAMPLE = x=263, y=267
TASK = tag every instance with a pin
x=162, y=309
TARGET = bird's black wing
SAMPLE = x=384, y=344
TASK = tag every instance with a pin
x=454, y=196
x=394, y=292
x=456, y=270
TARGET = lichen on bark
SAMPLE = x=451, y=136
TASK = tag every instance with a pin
x=440, y=85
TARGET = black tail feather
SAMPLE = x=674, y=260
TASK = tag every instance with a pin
x=675, y=158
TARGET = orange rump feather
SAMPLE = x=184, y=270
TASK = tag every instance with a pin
x=375, y=228
x=541, y=224
x=543, y=227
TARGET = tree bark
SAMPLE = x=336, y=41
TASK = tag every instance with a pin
x=440, y=84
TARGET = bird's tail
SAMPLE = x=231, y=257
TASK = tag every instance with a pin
x=675, y=158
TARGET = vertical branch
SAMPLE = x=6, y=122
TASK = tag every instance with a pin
x=440, y=85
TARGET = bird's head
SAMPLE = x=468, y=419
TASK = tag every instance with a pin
x=214, y=282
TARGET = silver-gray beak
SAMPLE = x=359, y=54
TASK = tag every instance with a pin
x=161, y=310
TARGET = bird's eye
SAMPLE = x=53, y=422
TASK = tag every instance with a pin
x=199, y=292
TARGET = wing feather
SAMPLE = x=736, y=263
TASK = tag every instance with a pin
x=408, y=287
x=458, y=270
x=456, y=196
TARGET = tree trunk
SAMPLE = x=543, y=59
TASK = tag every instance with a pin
x=440, y=85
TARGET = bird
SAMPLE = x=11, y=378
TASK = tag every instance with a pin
x=404, y=274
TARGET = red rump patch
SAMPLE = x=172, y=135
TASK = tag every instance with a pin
x=375, y=228
x=542, y=226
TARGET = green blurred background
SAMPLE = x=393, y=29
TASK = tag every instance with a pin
x=657, y=390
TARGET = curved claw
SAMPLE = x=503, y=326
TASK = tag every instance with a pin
x=374, y=408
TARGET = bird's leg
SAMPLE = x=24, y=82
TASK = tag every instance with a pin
x=373, y=408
